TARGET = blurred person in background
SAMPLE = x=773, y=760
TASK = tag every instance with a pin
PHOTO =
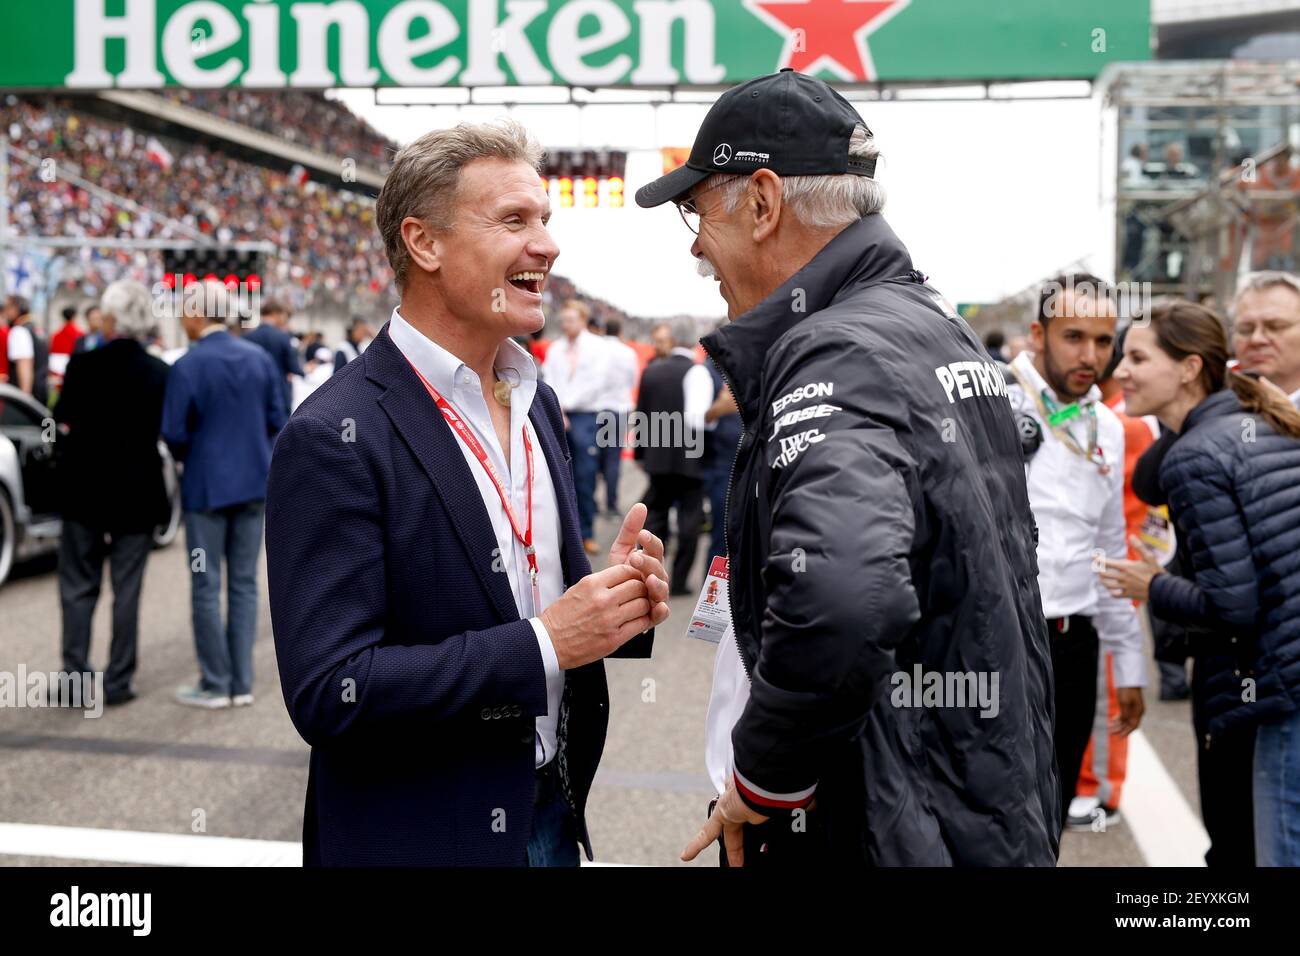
x=224, y=403
x=270, y=334
x=1230, y=476
x=64, y=341
x=995, y=343
x=111, y=490
x=677, y=390
x=95, y=336
x=359, y=336
x=1266, y=329
x=722, y=435
x=576, y=366
x=29, y=353
x=622, y=371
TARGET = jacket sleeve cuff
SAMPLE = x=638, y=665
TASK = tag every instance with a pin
x=768, y=802
x=1128, y=667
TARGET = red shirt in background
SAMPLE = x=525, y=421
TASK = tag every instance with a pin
x=64, y=340
x=4, y=352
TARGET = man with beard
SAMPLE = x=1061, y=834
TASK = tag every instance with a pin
x=1074, y=466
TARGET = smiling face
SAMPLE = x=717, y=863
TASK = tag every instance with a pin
x=725, y=247
x=1150, y=377
x=1266, y=335
x=494, y=259
x=1074, y=346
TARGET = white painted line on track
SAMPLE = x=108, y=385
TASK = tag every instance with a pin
x=151, y=849
x=1167, y=831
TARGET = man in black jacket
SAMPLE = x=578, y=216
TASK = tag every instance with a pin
x=895, y=704
x=270, y=335
x=111, y=483
x=674, y=396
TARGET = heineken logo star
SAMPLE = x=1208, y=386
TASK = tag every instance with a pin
x=827, y=34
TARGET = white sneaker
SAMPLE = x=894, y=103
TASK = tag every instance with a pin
x=192, y=696
x=242, y=700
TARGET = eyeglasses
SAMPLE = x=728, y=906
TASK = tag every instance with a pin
x=690, y=214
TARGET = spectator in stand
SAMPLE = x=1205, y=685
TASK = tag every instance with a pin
x=111, y=490
x=359, y=336
x=270, y=335
x=224, y=403
x=4, y=345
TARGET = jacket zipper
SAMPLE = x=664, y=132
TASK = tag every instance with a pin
x=726, y=504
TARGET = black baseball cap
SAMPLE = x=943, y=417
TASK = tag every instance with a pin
x=790, y=123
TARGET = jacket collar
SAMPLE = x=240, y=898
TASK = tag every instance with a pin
x=436, y=447
x=864, y=253
x=1223, y=402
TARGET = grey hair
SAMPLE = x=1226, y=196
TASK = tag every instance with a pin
x=1262, y=282
x=685, y=332
x=823, y=202
x=425, y=176
x=130, y=305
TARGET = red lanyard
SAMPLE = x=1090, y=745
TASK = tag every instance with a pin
x=460, y=428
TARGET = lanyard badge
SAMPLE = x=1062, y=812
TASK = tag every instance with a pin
x=476, y=448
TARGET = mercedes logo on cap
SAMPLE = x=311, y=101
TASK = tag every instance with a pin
x=722, y=155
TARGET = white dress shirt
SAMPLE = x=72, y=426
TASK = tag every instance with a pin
x=460, y=386
x=727, y=700
x=1080, y=514
x=697, y=394
x=580, y=383
x=621, y=369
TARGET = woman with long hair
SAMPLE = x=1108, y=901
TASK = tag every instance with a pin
x=1232, y=479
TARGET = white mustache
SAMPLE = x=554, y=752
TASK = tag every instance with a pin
x=705, y=268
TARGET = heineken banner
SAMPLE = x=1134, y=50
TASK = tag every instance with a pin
x=141, y=44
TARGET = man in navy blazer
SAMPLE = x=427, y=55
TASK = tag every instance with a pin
x=224, y=402
x=439, y=633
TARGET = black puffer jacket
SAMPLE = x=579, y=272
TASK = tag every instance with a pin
x=878, y=522
x=1233, y=486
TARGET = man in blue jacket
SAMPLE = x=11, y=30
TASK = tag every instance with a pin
x=439, y=633
x=224, y=402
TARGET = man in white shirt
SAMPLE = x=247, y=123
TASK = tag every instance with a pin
x=28, y=351
x=576, y=367
x=622, y=370
x=1266, y=329
x=1074, y=468
x=439, y=633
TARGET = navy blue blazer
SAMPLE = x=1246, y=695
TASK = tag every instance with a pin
x=224, y=403
x=402, y=656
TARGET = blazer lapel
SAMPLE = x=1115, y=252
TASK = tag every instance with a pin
x=437, y=449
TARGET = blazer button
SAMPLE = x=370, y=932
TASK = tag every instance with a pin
x=486, y=714
x=1236, y=673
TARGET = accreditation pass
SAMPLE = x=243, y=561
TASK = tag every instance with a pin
x=712, y=615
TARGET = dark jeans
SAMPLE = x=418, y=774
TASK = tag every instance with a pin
x=554, y=839
x=716, y=474
x=82, y=551
x=235, y=534
x=582, y=446
x=1224, y=772
x=1074, y=672
x=687, y=494
x=609, y=462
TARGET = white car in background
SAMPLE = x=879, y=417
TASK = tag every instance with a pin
x=30, y=525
